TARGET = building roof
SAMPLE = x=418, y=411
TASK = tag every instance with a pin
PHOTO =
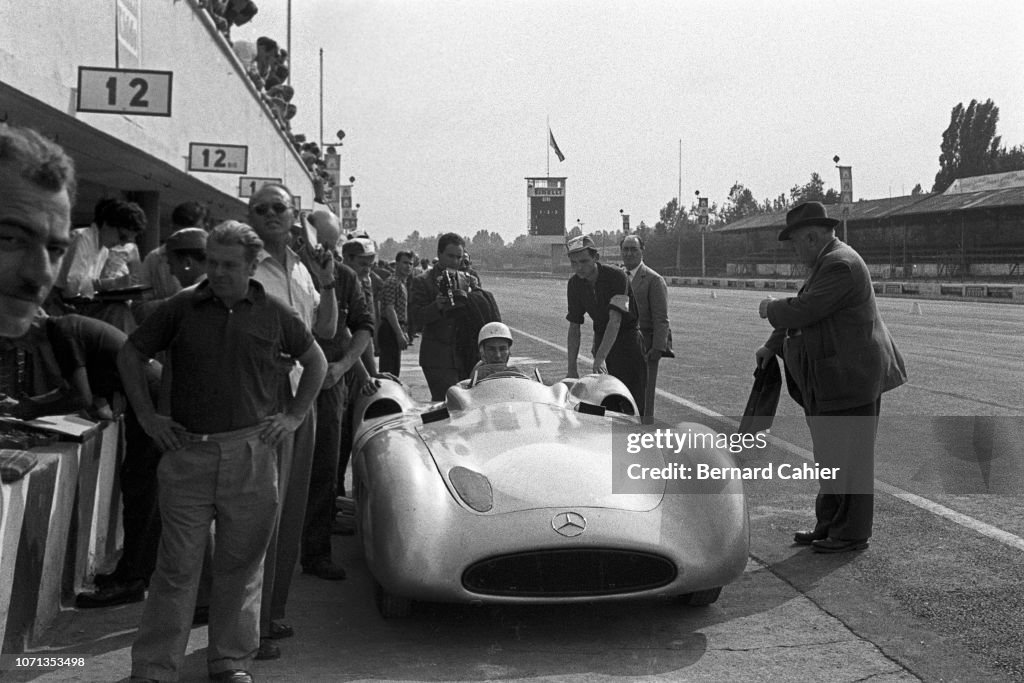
x=983, y=183
x=994, y=191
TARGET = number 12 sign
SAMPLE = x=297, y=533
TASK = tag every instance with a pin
x=124, y=91
x=217, y=158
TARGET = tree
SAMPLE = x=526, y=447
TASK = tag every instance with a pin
x=917, y=190
x=1011, y=159
x=740, y=204
x=813, y=191
x=970, y=145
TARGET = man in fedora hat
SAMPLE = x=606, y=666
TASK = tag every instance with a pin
x=603, y=293
x=841, y=358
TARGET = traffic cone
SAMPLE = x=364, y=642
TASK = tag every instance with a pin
x=916, y=310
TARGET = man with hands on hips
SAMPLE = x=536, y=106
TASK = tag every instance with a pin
x=219, y=462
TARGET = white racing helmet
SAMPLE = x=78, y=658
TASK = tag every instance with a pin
x=494, y=331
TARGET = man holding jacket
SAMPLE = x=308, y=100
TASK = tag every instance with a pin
x=840, y=356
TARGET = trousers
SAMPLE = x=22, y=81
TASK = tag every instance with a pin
x=845, y=439
x=231, y=480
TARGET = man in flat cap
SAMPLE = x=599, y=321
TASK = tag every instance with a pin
x=840, y=356
x=603, y=293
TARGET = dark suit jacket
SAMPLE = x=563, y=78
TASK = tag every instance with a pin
x=437, y=347
x=832, y=337
x=651, y=294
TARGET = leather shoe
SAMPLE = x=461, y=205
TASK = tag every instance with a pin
x=113, y=594
x=267, y=650
x=838, y=545
x=325, y=569
x=232, y=676
x=279, y=630
x=808, y=537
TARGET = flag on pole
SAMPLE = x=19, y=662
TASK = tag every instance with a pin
x=554, y=146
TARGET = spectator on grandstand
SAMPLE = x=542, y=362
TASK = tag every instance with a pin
x=37, y=190
x=839, y=353
x=393, y=332
x=603, y=293
x=219, y=463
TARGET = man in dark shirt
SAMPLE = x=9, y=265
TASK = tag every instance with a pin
x=219, y=463
x=437, y=304
x=343, y=351
x=84, y=351
x=603, y=293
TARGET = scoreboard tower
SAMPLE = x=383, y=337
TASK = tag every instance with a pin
x=546, y=225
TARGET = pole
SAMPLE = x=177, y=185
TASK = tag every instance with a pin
x=321, y=97
x=703, y=271
x=291, y=59
x=548, y=147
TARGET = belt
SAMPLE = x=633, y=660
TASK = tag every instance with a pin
x=235, y=435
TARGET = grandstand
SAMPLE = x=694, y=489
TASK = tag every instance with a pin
x=975, y=229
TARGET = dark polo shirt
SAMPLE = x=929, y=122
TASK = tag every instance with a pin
x=82, y=342
x=226, y=362
x=595, y=301
x=353, y=312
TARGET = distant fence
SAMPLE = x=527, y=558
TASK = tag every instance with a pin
x=993, y=292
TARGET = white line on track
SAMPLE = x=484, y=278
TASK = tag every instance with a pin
x=966, y=521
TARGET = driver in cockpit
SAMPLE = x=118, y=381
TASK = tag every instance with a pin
x=494, y=344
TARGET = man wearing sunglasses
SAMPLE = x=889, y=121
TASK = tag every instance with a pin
x=283, y=275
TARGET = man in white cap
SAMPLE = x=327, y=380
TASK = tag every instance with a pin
x=603, y=293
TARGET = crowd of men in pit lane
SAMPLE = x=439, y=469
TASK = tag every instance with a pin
x=241, y=364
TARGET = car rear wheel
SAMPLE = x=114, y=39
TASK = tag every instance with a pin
x=389, y=605
x=699, y=598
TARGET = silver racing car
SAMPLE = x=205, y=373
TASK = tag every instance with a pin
x=504, y=493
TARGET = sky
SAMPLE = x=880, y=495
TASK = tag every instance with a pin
x=446, y=103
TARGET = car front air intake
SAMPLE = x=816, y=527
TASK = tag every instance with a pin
x=569, y=573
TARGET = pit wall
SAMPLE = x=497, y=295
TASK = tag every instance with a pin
x=59, y=525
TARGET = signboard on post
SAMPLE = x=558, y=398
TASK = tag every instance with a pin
x=249, y=185
x=129, y=34
x=124, y=91
x=214, y=158
x=845, y=184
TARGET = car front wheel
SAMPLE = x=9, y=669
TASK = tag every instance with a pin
x=699, y=598
x=391, y=606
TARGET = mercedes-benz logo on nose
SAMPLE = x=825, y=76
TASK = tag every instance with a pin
x=569, y=523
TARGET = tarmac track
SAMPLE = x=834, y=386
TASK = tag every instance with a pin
x=938, y=596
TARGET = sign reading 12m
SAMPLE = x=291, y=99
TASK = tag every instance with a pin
x=124, y=91
x=217, y=158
